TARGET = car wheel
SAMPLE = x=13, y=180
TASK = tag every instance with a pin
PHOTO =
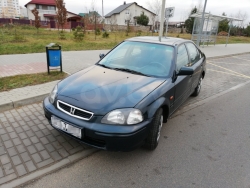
x=153, y=138
x=198, y=88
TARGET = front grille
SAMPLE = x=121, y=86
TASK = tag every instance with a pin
x=74, y=111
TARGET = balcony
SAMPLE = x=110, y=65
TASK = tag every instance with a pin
x=46, y=11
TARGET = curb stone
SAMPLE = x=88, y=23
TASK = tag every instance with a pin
x=53, y=168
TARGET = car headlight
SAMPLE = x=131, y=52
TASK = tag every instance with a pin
x=52, y=95
x=128, y=116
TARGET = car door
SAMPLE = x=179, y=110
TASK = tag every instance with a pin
x=195, y=63
x=182, y=83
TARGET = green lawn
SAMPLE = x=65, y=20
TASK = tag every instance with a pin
x=25, y=39
x=12, y=82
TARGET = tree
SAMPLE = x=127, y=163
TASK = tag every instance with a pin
x=128, y=20
x=189, y=23
x=61, y=13
x=155, y=6
x=142, y=19
x=223, y=25
x=35, y=12
x=247, y=31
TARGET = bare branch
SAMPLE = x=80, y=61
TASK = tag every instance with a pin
x=35, y=12
x=61, y=13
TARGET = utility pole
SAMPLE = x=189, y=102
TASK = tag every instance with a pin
x=162, y=19
x=102, y=16
x=202, y=23
x=102, y=9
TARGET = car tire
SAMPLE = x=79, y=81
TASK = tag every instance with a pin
x=153, y=138
x=198, y=88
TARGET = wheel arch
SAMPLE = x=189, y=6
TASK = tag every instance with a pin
x=159, y=103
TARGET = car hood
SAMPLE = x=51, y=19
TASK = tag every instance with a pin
x=101, y=90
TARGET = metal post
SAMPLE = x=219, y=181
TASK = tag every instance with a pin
x=229, y=32
x=60, y=48
x=102, y=16
x=167, y=19
x=202, y=22
x=206, y=29
x=47, y=54
x=162, y=19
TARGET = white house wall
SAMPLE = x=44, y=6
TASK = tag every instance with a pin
x=134, y=11
x=30, y=7
x=31, y=16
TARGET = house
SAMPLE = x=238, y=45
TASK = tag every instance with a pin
x=47, y=12
x=46, y=8
x=91, y=16
x=128, y=12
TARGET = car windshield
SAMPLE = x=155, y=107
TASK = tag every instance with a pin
x=143, y=58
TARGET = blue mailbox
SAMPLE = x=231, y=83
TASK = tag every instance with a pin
x=54, y=57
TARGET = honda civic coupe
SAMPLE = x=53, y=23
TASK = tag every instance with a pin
x=121, y=102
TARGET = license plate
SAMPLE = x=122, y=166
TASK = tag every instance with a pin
x=56, y=122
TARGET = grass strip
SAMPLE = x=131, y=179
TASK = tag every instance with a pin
x=18, y=81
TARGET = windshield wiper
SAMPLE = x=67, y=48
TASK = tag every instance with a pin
x=131, y=71
x=105, y=66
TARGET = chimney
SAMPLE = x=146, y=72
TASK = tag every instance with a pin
x=124, y=2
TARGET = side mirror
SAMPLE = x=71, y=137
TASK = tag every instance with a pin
x=185, y=71
x=101, y=56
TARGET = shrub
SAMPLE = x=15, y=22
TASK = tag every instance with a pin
x=97, y=31
x=78, y=33
x=105, y=34
x=138, y=33
x=62, y=35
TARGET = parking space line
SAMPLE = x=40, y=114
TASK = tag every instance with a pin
x=229, y=73
x=230, y=70
x=230, y=63
x=241, y=58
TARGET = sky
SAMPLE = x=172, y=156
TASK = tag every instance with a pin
x=182, y=7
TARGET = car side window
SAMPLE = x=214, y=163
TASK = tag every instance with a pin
x=194, y=53
x=182, y=57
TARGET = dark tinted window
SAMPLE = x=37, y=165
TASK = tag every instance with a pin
x=182, y=57
x=193, y=53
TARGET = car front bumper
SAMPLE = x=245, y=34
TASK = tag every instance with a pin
x=102, y=136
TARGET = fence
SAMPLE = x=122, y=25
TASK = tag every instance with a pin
x=49, y=24
x=21, y=22
x=4, y=20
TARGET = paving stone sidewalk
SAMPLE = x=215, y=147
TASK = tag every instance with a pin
x=72, y=62
x=28, y=142
x=23, y=96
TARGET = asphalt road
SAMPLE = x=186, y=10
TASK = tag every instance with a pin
x=208, y=146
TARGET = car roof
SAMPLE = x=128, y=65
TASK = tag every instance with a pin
x=164, y=40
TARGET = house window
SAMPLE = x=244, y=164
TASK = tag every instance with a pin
x=51, y=8
x=127, y=11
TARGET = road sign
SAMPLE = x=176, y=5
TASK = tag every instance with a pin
x=169, y=12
